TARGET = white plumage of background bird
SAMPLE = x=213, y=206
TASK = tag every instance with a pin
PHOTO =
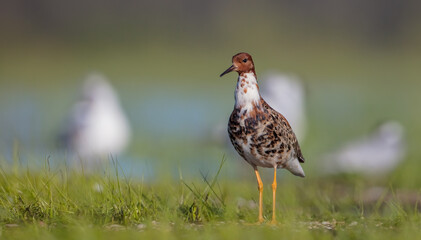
x=286, y=94
x=375, y=154
x=97, y=125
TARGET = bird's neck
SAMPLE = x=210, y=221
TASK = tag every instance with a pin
x=247, y=94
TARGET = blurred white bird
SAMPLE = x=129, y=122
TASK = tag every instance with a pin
x=286, y=94
x=97, y=125
x=378, y=153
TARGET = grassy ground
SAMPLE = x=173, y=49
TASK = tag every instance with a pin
x=68, y=204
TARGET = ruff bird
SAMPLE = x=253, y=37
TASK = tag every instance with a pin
x=261, y=135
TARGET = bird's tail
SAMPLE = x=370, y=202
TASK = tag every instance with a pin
x=295, y=168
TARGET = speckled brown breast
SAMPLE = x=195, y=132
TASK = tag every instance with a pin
x=263, y=137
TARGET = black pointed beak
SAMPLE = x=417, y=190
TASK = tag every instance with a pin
x=230, y=69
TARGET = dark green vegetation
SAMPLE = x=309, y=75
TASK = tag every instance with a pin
x=68, y=204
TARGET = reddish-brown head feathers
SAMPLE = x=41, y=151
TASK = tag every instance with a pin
x=241, y=63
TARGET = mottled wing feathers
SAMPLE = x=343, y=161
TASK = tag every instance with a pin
x=300, y=156
x=287, y=130
x=263, y=137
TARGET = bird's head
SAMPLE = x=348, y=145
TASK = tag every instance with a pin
x=241, y=63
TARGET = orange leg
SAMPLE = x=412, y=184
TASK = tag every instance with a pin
x=260, y=187
x=274, y=197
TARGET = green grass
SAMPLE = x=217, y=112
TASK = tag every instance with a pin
x=63, y=203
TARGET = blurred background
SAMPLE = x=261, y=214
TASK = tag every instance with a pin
x=358, y=61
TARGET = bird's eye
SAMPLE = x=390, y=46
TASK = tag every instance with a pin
x=245, y=60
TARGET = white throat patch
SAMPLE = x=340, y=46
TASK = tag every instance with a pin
x=247, y=92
